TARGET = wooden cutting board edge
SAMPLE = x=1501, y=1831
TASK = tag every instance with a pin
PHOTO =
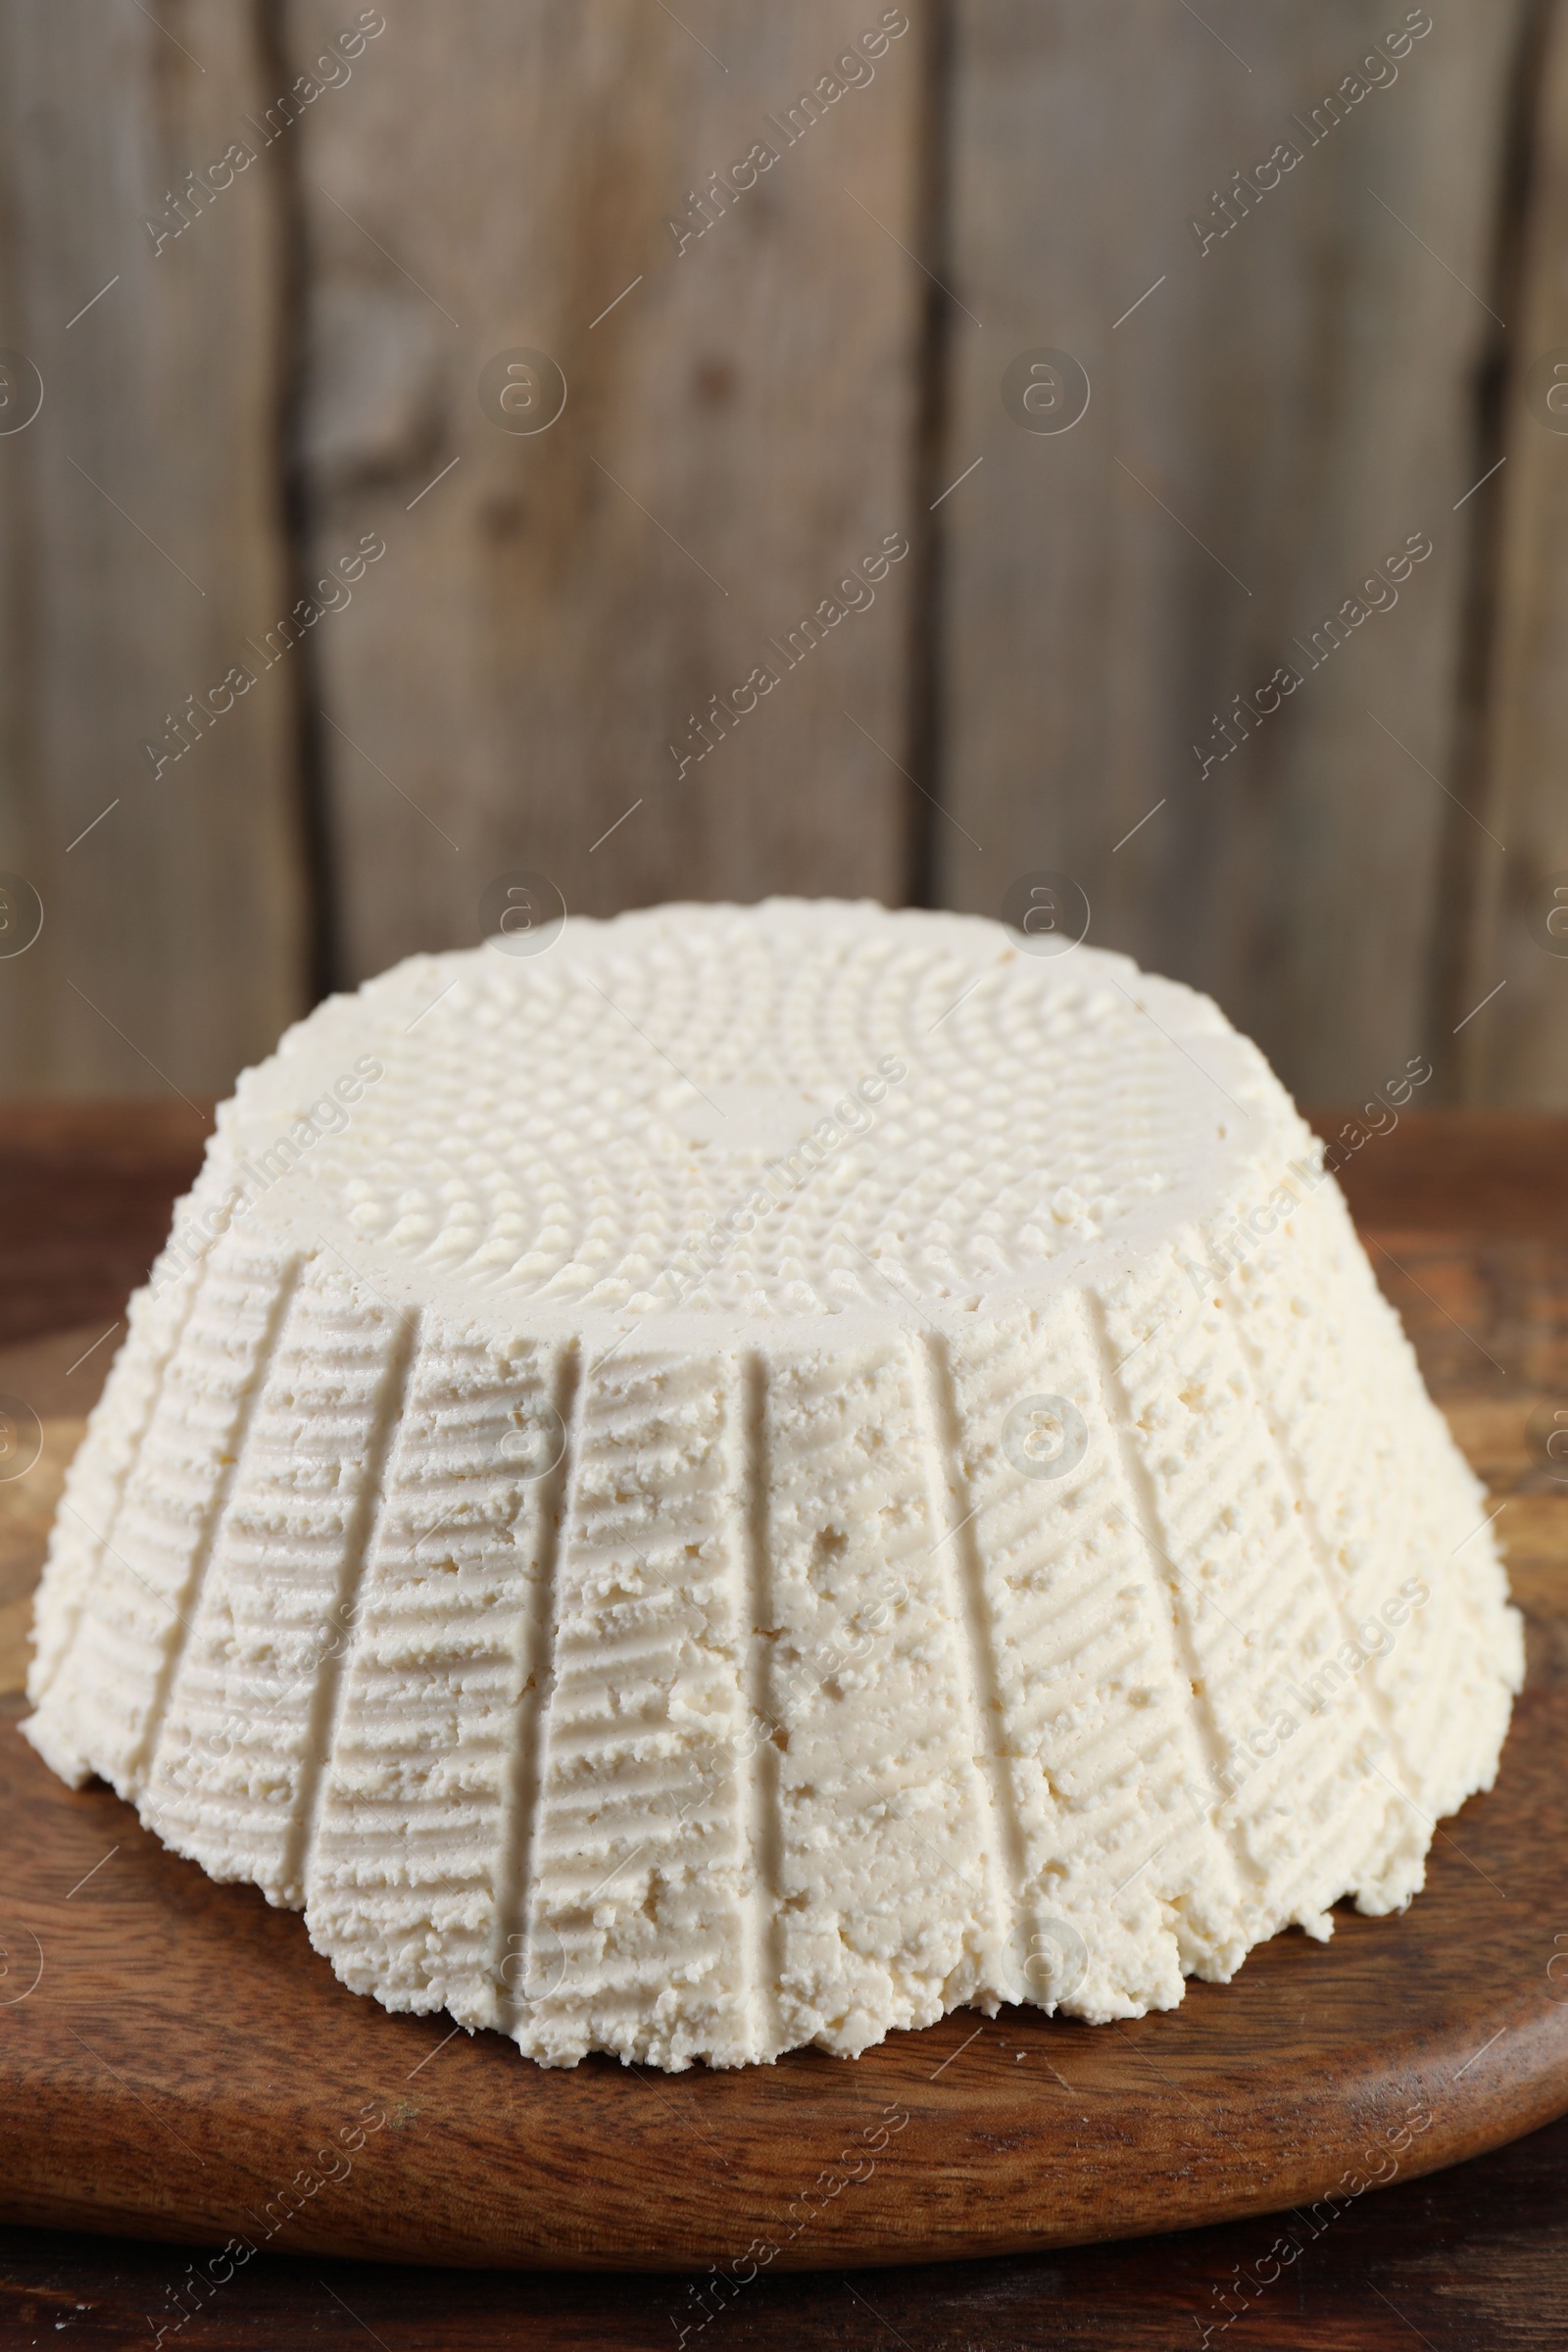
x=1534, y=2096
x=601, y=2173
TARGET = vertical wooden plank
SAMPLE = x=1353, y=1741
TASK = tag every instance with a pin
x=552, y=605
x=1286, y=405
x=1515, y=1050
x=140, y=546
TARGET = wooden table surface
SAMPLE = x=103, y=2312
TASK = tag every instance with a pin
x=1467, y=1220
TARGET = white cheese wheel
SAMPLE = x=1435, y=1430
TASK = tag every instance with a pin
x=752, y=1475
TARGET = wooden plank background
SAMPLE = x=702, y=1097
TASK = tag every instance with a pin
x=140, y=541
x=1273, y=421
x=783, y=332
x=736, y=436
x=1518, y=1048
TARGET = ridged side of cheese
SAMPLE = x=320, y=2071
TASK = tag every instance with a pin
x=893, y=1899
x=1105, y=1753
x=251, y=1711
x=633, y=1931
x=1392, y=1503
x=408, y=1876
x=96, y=1478
x=189, y=1406
x=780, y=1707
x=1222, y=1511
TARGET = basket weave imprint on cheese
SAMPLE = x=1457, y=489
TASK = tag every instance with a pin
x=727, y=1485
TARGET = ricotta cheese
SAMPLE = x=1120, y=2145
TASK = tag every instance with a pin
x=762, y=1473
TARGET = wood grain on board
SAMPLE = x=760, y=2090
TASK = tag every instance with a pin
x=184, y=2055
x=140, y=544
x=1279, y=414
x=554, y=606
x=86, y=1192
x=1450, y=1170
x=175, y=2058
x=1467, y=2258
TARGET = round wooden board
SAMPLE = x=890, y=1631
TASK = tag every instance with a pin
x=185, y=2066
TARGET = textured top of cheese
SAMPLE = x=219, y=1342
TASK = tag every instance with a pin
x=801, y=1109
